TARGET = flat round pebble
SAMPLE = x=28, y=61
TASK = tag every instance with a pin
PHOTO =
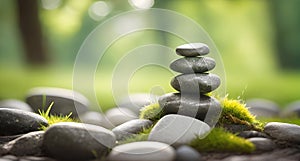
x=174, y=103
x=77, y=141
x=196, y=83
x=263, y=144
x=130, y=128
x=142, y=151
x=96, y=118
x=13, y=121
x=292, y=110
x=15, y=104
x=177, y=130
x=193, y=65
x=283, y=131
x=263, y=107
x=118, y=116
x=184, y=153
x=192, y=49
x=65, y=101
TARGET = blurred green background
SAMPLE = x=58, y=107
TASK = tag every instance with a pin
x=259, y=42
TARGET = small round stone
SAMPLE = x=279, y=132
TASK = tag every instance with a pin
x=292, y=110
x=263, y=144
x=192, y=49
x=196, y=83
x=189, y=65
x=13, y=121
x=263, y=107
x=283, y=131
x=118, y=116
x=184, y=153
x=142, y=151
x=252, y=134
x=15, y=104
x=96, y=118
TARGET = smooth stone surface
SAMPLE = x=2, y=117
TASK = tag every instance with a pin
x=118, y=116
x=192, y=49
x=193, y=65
x=95, y=118
x=205, y=108
x=29, y=144
x=184, y=153
x=263, y=107
x=252, y=134
x=65, y=101
x=15, y=104
x=142, y=151
x=263, y=144
x=5, y=139
x=196, y=83
x=130, y=128
x=283, y=131
x=177, y=130
x=77, y=141
x=135, y=102
x=292, y=110
x=13, y=121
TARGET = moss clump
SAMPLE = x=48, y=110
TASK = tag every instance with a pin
x=219, y=140
x=152, y=112
x=142, y=136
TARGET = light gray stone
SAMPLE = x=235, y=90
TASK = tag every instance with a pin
x=13, y=121
x=131, y=128
x=142, y=151
x=77, y=141
x=252, y=134
x=283, y=131
x=15, y=104
x=184, y=153
x=196, y=83
x=292, y=110
x=96, y=118
x=192, y=49
x=263, y=144
x=65, y=101
x=263, y=107
x=118, y=116
x=177, y=129
x=189, y=65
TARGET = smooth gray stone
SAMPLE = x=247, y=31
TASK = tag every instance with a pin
x=96, y=118
x=15, y=104
x=5, y=139
x=192, y=49
x=189, y=65
x=205, y=108
x=283, y=131
x=65, y=101
x=292, y=110
x=196, y=83
x=118, y=116
x=33, y=158
x=130, y=128
x=263, y=107
x=13, y=121
x=77, y=141
x=142, y=151
x=184, y=153
x=10, y=157
x=252, y=134
x=29, y=144
x=263, y=144
x=177, y=130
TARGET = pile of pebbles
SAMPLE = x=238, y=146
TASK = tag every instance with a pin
x=98, y=136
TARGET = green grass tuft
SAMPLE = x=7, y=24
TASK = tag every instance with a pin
x=152, y=112
x=219, y=140
x=52, y=119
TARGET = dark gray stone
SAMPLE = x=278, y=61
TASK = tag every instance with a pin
x=65, y=101
x=252, y=134
x=192, y=49
x=5, y=139
x=118, y=116
x=193, y=65
x=77, y=141
x=184, y=153
x=263, y=144
x=173, y=103
x=29, y=144
x=96, y=118
x=10, y=157
x=142, y=151
x=15, y=104
x=33, y=158
x=283, y=131
x=292, y=110
x=13, y=121
x=196, y=83
x=130, y=128
x=263, y=108
x=178, y=130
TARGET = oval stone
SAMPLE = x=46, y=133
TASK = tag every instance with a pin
x=13, y=121
x=283, y=131
x=117, y=116
x=192, y=49
x=15, y=104
x=142, y=151
x=184, y=153
x=204, y=108
x=292, y=110
x=177, y=130
x=196, y=83
x=193, y=65
x=263, y=144
x=77, y=141
x=263, y=107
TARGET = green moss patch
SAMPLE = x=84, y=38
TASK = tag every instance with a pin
x=142, y=136
x=219, y=140
x=152, y=112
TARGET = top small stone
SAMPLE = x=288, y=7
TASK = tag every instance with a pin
x=192, y=49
